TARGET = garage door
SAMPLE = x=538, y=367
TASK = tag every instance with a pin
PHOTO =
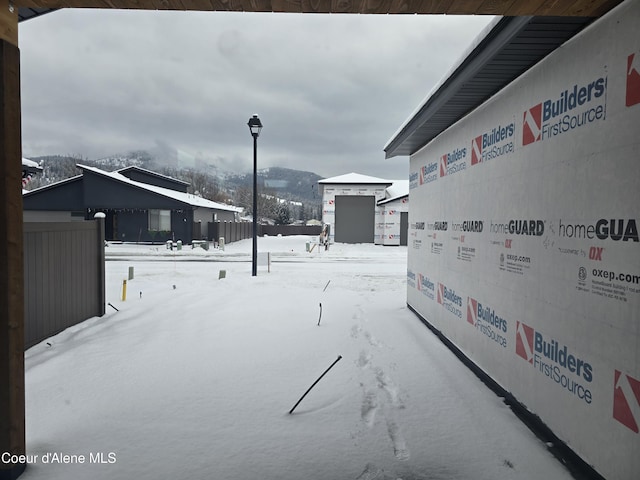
x=355, y=219
x=404, y=227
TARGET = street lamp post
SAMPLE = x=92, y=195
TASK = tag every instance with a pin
x=254, y=127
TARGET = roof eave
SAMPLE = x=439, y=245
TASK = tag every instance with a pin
x=431, y=119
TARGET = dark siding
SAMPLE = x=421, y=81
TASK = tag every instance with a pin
x=132, y=226
x=67, y=197
x=355, y=219
x=182, y=225
x=103, y=193
x=64, y=276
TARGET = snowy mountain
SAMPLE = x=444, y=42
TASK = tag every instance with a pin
x=277, y=185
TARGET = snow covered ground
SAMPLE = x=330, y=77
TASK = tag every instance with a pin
x=194, y=376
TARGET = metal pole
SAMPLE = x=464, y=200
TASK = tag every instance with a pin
x=254, y=260
x=314, y=384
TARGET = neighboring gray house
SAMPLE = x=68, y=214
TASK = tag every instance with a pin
x=140, y=205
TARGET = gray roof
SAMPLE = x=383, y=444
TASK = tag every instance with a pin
x=25, y=13
x=508, y=49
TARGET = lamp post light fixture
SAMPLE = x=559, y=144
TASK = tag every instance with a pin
x=255, y=125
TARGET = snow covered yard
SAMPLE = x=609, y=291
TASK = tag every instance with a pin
x=194, y=376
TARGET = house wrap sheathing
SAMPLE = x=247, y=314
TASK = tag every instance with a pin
x=524, y=248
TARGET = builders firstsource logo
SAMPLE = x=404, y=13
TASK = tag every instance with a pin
x=493, y=144
x=555, y=361
x=453, y=162
x=428, y=173
x=626, y=401
x=413, y=180
x=575, y=107
x=633, y=79
x=449, y=299
x=426, y=286
x=411, y=279
x=487, y=321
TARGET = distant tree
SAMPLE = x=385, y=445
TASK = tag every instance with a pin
x=267, y=201
x=283, y=214
x=56, y=168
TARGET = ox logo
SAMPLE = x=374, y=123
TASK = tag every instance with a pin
x=443, y=165
x=633, y=79
x=524, y=341
x=595, y=253
x=532, y=125
x=440, y=296
x=472, y=311
x=626, y=401
x=476, y=150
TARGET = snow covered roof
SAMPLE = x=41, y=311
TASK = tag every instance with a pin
x=355, y=179
x=29, y=167
x=134, y=168
x=398, y=190
x=186, y=198
x=29, y=163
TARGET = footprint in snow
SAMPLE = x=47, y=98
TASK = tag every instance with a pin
x=400, y=449
x=369, y=408
x=371, y=339
x=355, y=331
x=385, y=382
x=371, y=472
x=359, y=314
x=364, y=360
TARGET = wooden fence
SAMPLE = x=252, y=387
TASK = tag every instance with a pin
x=64, y=276
x=234, y=231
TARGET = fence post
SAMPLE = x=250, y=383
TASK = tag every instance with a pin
x=102, y=296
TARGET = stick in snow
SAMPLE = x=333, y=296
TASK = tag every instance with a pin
x=325, y=287
x=320, y=314
x=314, y=383
x=113, y=307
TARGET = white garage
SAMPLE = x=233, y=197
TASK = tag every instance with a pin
x=364, y=209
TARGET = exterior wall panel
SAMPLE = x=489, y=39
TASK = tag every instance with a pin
x=389, y=222
x=331, y=191
x=523, y=241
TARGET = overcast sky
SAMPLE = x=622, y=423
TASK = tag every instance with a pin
x=331, y=90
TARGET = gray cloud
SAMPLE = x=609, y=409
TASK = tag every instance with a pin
x=330, y=89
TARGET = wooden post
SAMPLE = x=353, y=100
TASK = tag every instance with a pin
x=12, y=423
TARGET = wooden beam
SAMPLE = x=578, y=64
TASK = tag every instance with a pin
x=12, y=416
x=587, y=8
x=8, y=22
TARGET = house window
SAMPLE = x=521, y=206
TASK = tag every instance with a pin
x=160, y=220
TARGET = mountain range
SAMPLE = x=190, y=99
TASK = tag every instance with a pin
x=296, y=188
